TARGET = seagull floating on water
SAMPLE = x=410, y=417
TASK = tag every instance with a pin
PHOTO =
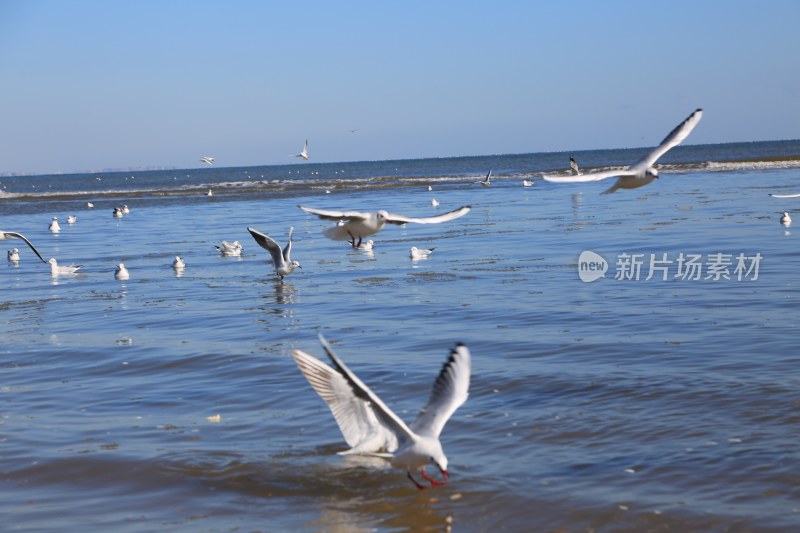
x=304, y=153
x=121, y=273
x=14, y=235
x=367, y=246
x=55, y=269
x=54, y=227
x=227, y=248
x=89, y=205
x=420, y=253
x=13, y=255
x=179, y=262
x=573, y=165
x=527, y=183
x=486, y=180
x=72, y=219
x=370, y=428
x=207, y=159
x=281, y=259
x=786, y=220
x=435, y=202
x=359, y=225
x=118, y=212
x=642, y=172
x=125, y=210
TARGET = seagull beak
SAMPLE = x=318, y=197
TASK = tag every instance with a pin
x=444, y=475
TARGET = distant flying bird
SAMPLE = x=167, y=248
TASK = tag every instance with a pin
x=358, y=225
x=14, y=235
x=574, y=166
x=304, y=153
x=370, y=428
x=486, y=181
x=281, y=259
x=207, y=159
x=642, y=172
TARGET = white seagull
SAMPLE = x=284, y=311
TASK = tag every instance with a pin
x=14, y=235
x=54, y=227
x=642, y=172
x=786, y=220
x=72, y=219
x=226, y=248
x=117, y=212
x=435, y=202
x=13, y=255
x=304, y=153
x=370, y=428
x=573, y=165
x=125, y=210
x=281, y=259
x=527, y=183
x=207, y=159
x=89, y=205
x=486, y=181
x=785, y=195
x=209, y=193
x=55, y=269
x=121, y=273
x=359, y=225
x=179, y=262
x=420, y=253
x=367, y=246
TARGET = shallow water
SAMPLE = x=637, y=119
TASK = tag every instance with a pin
x=617, y=405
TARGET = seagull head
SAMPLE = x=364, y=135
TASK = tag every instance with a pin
x=296, y=264
x=651, y=173
x=383, y=215
x=440, y=461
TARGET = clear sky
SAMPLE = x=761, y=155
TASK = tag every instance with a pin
x=92, y=84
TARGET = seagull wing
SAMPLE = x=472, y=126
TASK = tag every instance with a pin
x=591, y=176
x=384, y=415
x=287, y=250
x=326, y=214
x=15, y=235
x=450, y=391
x=269, y=245
x=675, y=137
x=393, y=218
x=785, y=195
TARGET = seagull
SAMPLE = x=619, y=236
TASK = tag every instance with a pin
x=281, y=259
x=486, y=181
x=435, y=202
x=55, y=269
x=207, y=159
x=125, y=210
x=117, y=212
x=527, y=183
x=54, y=227
x=179, y=262
x=304, y=153
x=785, y=195
x=573, y=165
x=14, y=235
x=786, y=220
x=72, y=219
x=361, y=225
x=642, y=172
x=121, y=273
x=89, y=205
x=13, y=255
x=209, y=193
x=370, y=428
x=430, y=188
x=226, y=248
x=420, y=253
x=367, y=246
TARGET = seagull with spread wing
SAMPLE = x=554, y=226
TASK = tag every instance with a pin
x=281, y=259
x=304, y=153
x=642, y=172
x=14, y=235
x=371, y=428
x=207, y=159
x=359, y=225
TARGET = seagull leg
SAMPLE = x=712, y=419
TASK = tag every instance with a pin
x=432, y=481
x=352, y=240
x=359, y=242
x=415, y=482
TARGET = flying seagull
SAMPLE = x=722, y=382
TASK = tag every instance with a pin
x=304, y=153
x=486, y=181
x=360, y=225
x=14, y=235
x=642, y=172
x=207, y=159
x=281, y=259
x=370, y=428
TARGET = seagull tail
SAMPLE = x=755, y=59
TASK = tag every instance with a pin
x=336, y=233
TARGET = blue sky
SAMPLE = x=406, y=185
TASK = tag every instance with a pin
x=91, y=84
